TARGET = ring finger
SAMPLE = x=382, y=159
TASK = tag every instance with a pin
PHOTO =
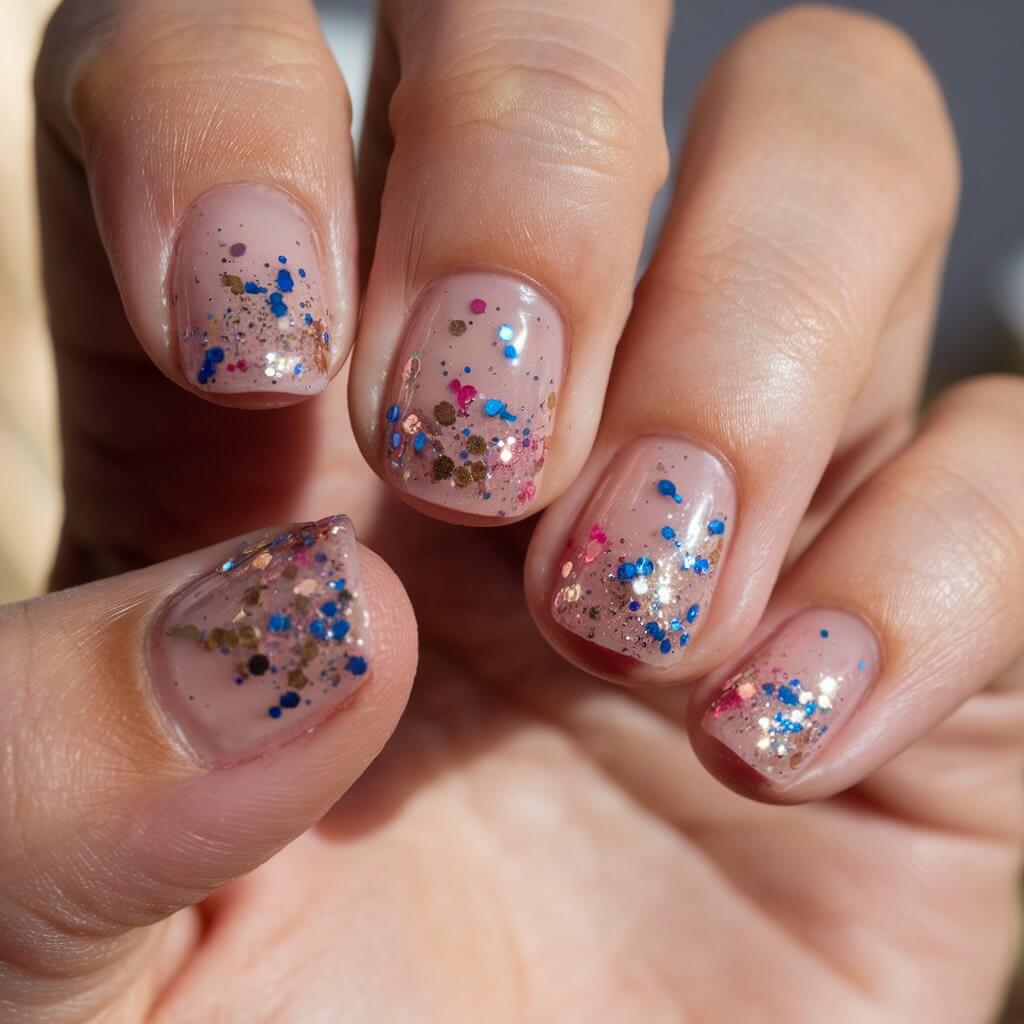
x=780, y=329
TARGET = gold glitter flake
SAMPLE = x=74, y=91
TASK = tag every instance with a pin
x=444, y=413
x=463, y=476
x=476, y=445
x=551, y=401
x=443, y=467
x=234, y=282
x=478, y=470
x=457, y=328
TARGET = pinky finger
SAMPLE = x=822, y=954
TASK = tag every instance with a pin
x=909, y=603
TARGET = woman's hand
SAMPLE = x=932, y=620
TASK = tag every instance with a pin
x=737, y=491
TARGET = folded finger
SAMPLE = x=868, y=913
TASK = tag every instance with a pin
x=175, y=728
x=211, y=145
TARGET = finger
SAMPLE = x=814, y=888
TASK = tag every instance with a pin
x=754, y=333
x=175, y=727
x=211, y=144
x=511, y=223
x=909, y=603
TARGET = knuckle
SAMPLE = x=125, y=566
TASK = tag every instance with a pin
x=578, y=116
x=868, y=76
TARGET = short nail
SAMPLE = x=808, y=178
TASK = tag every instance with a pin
x=266, y=646
x=248, y=293
x=639, y=570
x=475, y=394
x=781, y=709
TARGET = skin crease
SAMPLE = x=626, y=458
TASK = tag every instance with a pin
x=533, y=844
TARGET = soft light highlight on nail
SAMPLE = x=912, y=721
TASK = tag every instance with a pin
x=639, y=571
x=248, y=295
x=475, y=394
x=267, y=645
x=781, y=709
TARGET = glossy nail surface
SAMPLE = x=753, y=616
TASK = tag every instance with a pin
x=475, y=393
x=781, y=709
x=267, y=645
x=638, y=572
x=248, y=295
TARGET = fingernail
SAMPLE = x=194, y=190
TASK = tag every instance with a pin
x=249, y=296
x=638, y=572
x=791, y=698
x=475, y=394
x=266, y=646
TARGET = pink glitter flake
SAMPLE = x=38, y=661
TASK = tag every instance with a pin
x=478, y=306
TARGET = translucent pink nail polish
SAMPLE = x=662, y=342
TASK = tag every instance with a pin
x=784, y=706
x=266, y=646
x=475, y=392
x=638, y=572
x=248, y=295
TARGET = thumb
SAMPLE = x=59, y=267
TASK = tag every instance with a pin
x=168, y=730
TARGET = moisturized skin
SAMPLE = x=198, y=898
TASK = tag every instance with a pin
x=639, y=571
x=267, y=645
x=248, y=295
x=476, y=395
x=781, y=709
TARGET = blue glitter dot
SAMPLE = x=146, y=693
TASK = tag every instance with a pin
x=215, y=355
x=788, y=696
x=668, y=533
x=716, y=526
x=493, y=406
x=768, y=688
x=510, y=352
x=339, y=629
x=282, y=259
x=667, y=488
x=701, y=566
x=420, y=442
x=526, y=431
x=277, y=304
x=356, y=665
x=824, y=634
x=467, y=369
x=308, y=318
x=274, y=712
x=329, y=609
x=506, y=332
x=252, y=288
x=675, y=625
x=862, y=664
x=320, y=556
x=666, y=646
x=626, y=571
x=302, y=271
x=692, y=612
x=684, y=639
x=318, y=629
x=290, y=699
x=396, y=440
x=644, y=566
x=327, y=337
x=634, y=606
x=298, y=369
x=393, y=413
x=278, y=623
x=285, y=281
x=338, y=584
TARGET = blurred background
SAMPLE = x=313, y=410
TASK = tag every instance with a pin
x=974, y=48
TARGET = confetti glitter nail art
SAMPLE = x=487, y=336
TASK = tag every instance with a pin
x=267, y=645
x=476, y=395
x=780, y=710
x=638, y=573
x=248, y=296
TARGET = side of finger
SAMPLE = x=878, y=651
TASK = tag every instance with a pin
x=908, y=604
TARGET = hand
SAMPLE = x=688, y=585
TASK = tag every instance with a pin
x=533, y=844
